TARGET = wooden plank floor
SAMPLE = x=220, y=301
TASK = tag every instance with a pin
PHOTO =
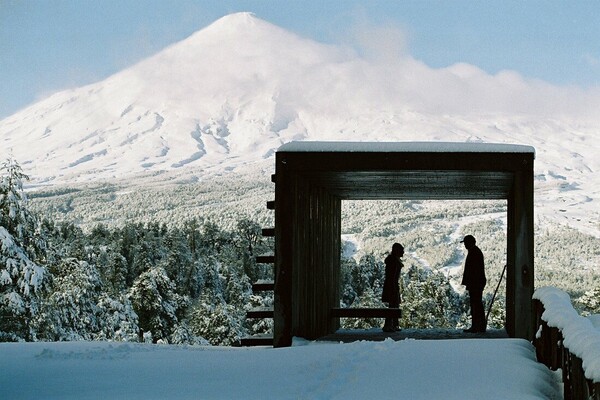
x=376, y=334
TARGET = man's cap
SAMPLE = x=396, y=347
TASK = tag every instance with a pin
x=468, y=238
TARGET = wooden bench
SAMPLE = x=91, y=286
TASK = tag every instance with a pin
x=352, y=312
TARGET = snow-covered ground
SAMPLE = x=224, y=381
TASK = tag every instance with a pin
x=408, y=369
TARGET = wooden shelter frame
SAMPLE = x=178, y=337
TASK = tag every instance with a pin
x=312, y=178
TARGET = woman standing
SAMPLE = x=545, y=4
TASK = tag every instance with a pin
x=391, y=287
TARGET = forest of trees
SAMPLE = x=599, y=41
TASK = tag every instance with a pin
x=188, y=280
x=139, y=282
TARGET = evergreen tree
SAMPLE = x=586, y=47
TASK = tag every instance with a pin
x=428, y=300
x=179, y=263
x=211, y=268
x=15, y=217
x=348, y=265
x=213, y=239
x=127, y=242
x=497, y=316
x=191, y=230
x=70, y=242
x=368, y=299
x=216, y=321
x=237, y=288
x=361, y=287
x=71, y=310
x=257, y=326
x=157, y=303
x=119, y=322
x=113, y=271
x=87, y=283
x=22, y=248
x=589, y=302
x=249, y=233
x=366, y=275
x=147, y=254
x=183, y=334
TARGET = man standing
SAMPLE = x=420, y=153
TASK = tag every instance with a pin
x=391, y=288
x=474, y=280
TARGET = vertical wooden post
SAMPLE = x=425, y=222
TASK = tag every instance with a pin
x=511, y=245
x=317, y=269
x=520, y=277
x=284, y=214
x=307, y=256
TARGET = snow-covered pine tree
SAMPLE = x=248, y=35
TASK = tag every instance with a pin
x=369, y=298
x=347, y=289
x=157, y=303
x=119, y=320
x=248, y=242
x=179, y=263
x=216, y=321
x=113, y=270
x=125, y=245
x=366, y=275
x=77, y=306
x=428, y=300
x=362, y=284
x=589, y=302
x=147, y=253
x=71, y=312
x=22, y=274
x=256, y=326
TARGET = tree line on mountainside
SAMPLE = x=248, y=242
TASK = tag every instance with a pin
x=190, y=282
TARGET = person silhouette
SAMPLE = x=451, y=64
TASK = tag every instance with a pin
x=474, y=280
x=391, y=288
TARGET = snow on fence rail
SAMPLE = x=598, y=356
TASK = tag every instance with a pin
x=567, y=341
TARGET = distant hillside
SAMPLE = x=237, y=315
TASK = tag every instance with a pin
x=223, y=100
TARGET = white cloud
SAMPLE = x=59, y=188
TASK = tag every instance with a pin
x=591, y=60
x=385, y=74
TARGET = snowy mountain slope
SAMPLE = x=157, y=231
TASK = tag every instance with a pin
x=229, y=95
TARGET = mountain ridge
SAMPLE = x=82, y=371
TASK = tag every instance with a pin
x=230, y=94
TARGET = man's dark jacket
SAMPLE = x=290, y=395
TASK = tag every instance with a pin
x=474, y=274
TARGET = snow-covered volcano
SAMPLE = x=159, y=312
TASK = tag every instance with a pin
x=232, y=93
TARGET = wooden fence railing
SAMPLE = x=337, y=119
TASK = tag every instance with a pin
x=552, y=350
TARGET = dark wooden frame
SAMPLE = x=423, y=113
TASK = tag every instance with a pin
x=312, y=178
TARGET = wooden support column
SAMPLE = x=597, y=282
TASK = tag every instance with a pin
x=284, y=216
x=520, y=318
x=307, y=255
x=316, y=275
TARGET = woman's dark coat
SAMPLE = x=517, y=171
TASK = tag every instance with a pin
x=391, y=288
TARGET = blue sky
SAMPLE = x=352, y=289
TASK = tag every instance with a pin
x=51, y=45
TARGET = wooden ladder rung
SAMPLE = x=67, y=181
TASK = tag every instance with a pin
x=257, y=340
x=268, y=232
x=260, y=313
x=262, y=286
x=265, y=259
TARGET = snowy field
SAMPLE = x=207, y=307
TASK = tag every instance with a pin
x=409, y=369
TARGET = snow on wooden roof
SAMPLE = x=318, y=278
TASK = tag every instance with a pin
x=406, y=147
